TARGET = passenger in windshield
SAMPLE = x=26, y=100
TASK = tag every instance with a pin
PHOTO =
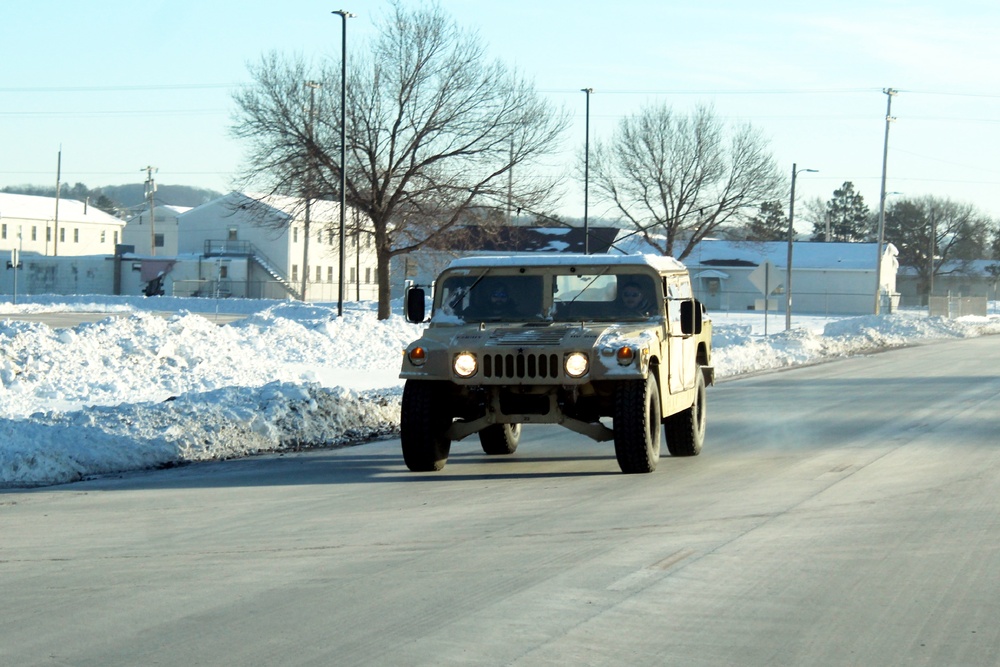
x=634, y=300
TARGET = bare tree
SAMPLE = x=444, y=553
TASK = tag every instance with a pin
x=931, y=232
x=676, y=179
x=435, y=132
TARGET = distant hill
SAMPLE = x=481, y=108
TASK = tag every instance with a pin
x=122, y=197
x=133, y=195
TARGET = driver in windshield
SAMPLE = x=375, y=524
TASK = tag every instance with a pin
x=500, y=303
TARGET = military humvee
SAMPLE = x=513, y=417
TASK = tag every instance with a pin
x=557, y=339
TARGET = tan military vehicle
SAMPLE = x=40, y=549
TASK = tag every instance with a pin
x=549, y=339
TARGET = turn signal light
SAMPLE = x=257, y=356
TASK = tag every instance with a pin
x=417, y=356
x=626, y=355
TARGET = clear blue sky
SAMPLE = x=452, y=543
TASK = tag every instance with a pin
x=122, y=85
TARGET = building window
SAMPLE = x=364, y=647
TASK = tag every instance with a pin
x=104, y=236
x=48, y=234
x=319, y=274
x=368, y=275
x=62, y=235
x=34, y=233
x=76, y=235
x=223, y=271
x=158, y=240
x=233, y=233
x=329, y=274
x=295, y=234
x=3, y=231
x=295, y=272
x=116, y=238
x=354, y=275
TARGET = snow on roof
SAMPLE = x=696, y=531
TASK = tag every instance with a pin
x=569, y=259
x=805, y=255
x=32, y=207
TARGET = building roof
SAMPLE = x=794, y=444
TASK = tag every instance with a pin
x=271, y=207
x=176, y=210
x=531, y=239
x=805, y=255
x=31, y=207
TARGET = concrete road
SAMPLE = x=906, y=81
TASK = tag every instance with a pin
x=843, y=514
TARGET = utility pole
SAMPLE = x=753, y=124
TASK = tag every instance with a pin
x=150, y=191
x=889, y=92
x=586, y=174
x=791, y=241
x=312, y=85
x=930, y=259
x=344, y=15
x=55, y=229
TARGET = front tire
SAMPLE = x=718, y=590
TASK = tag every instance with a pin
x=637, y=425
x=685, y=431
x=500, y=439
x=424, y=420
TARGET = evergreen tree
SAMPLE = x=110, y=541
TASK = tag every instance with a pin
x=849, y=217
x=770, y=223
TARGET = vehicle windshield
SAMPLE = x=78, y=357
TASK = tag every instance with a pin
x=603, y=297
x=490, y=297
x=558, y=294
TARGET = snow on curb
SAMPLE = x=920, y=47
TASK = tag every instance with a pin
x=217, y=425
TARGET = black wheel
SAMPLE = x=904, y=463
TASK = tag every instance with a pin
x=424, y=420
x=685, y=431
x=637, y=425
x=499, y=439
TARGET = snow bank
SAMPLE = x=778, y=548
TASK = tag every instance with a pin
x=138, y=390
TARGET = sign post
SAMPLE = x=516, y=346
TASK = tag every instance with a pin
x=763, y=278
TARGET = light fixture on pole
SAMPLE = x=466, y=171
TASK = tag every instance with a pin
x=791, y=239
x=889, y=92
x=344, y=15
x=586, y=175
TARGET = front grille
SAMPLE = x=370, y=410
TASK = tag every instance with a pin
x=520, y=365
x=527, y=336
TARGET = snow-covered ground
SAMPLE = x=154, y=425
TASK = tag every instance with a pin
x=139, y=390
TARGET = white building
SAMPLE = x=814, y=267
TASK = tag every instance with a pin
x=269, y=233
x=157, y=237
x=827, y=278
x=63, y=227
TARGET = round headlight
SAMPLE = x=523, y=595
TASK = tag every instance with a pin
x=417, y=356
x=576, y=364
x=465, y=364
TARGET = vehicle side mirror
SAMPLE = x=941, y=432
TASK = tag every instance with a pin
x=690, y=317
x=416, y=309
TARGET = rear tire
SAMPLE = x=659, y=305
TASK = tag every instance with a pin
x=424, y=420
x=500, y=439
x=637, y=425
x=685, y=431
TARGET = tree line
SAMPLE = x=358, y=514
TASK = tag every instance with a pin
x=438, y=135
x=119, y=200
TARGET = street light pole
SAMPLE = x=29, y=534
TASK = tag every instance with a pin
x=344, y=15
x=791, y=239
x=889, y=92
x=586, y=175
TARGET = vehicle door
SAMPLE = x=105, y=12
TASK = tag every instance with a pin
x=681, y=353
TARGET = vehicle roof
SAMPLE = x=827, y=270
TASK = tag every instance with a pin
x=657, y=262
